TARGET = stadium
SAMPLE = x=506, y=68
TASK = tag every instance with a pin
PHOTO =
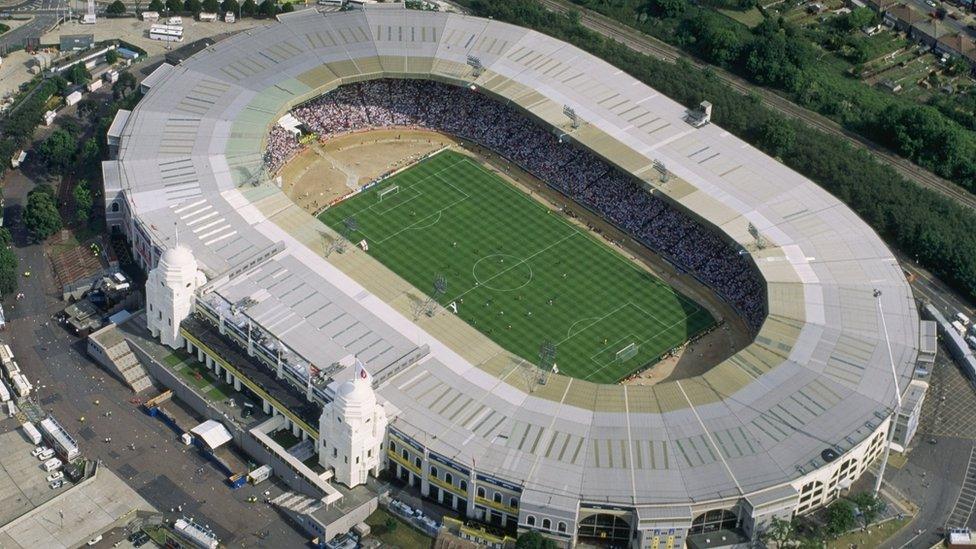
x=504, y=324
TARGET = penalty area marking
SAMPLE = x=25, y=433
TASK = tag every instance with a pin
x=641, y=341
x=422, y=222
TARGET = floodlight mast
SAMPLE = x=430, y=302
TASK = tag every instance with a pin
x=897, y=412
x=574, y=118
x=475, y=63
x=663, y=170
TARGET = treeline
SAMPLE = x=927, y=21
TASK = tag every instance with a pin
x=18, y=127
x=249, y=8
x=940, y=233
x=780, y=55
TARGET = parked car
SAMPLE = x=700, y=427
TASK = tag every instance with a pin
x=138, y=539
x=56, y=484
x=45, y=455
x=39, y=450
x=52, y=464
x=95, y=540
x=55, y=476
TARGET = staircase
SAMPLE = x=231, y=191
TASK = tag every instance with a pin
x=297, y=504
x=128, y=367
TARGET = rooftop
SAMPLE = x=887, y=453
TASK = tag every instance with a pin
x=817, y=375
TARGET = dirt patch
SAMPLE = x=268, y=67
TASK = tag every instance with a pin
x=324, y=172
x=327, y=171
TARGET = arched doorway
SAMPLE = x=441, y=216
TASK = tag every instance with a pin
x=716, y=519
x=605, y=529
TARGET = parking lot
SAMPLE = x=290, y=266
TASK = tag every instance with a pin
x=949, y=409
x=23, y=484
x=136, y=31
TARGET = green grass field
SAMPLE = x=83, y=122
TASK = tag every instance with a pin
x=517, y=272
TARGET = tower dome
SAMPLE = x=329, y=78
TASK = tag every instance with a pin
x=355, y=398
x=178, y=262
x=169, y=294
x=355, y=393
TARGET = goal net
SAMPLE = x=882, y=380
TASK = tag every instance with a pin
x=389, y=191
x=628, y=352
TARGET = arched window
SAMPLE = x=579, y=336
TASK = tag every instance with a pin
x=393, y=446
x=497, y=497
x=546, y=524
x=404, y=454
x=449, y=478
x=605, y=527
x=433, y=472
x=561, y=527
x=417, y=462
x=464, y=486
x=513, y=502
x=115, y=206
x=716, y=519
x=481, y=492
x=530, y=520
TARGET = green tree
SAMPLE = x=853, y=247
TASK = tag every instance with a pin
x=840, y=518
x=157, y=6
x=870, y=506
x=288, y=7
x=249, y=8
x=777, y=137
x=231, y=6
x=720, y=45
x=111, y=57
x=41, y=216
x=174, y=7
x=115, y=8
x=268, y=8
x=958, y=65
x=858, y=18
x=391, y=524
x=58, y=150
x=78, y=74
x=665, y=8
x=126, y=81
x=779, y=531
x=90, y=158
x=534, y=540
x=212, y=6
x=8, y=270
x=71, y=126
x=83, y=201
x=87, y=108
x=192, y=6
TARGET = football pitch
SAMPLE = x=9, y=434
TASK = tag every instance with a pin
x=516, y=271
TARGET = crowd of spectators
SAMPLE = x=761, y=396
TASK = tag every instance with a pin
x=282, y=144
x=575, y=172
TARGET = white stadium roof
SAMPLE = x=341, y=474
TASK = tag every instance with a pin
x=817, y=376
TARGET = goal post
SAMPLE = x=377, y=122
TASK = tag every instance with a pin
x=391, y=190
x=628, y=352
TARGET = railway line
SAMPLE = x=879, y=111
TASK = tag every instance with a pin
x=649, y=45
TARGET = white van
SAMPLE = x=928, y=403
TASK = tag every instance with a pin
x=45, y=455
x=52, y=464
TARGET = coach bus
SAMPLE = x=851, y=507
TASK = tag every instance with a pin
x=166, y=33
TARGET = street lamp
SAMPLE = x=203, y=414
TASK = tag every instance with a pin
x=894, y=376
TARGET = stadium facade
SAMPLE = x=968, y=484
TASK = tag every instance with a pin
x=781, y=427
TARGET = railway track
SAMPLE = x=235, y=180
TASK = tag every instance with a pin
x=649, y=45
